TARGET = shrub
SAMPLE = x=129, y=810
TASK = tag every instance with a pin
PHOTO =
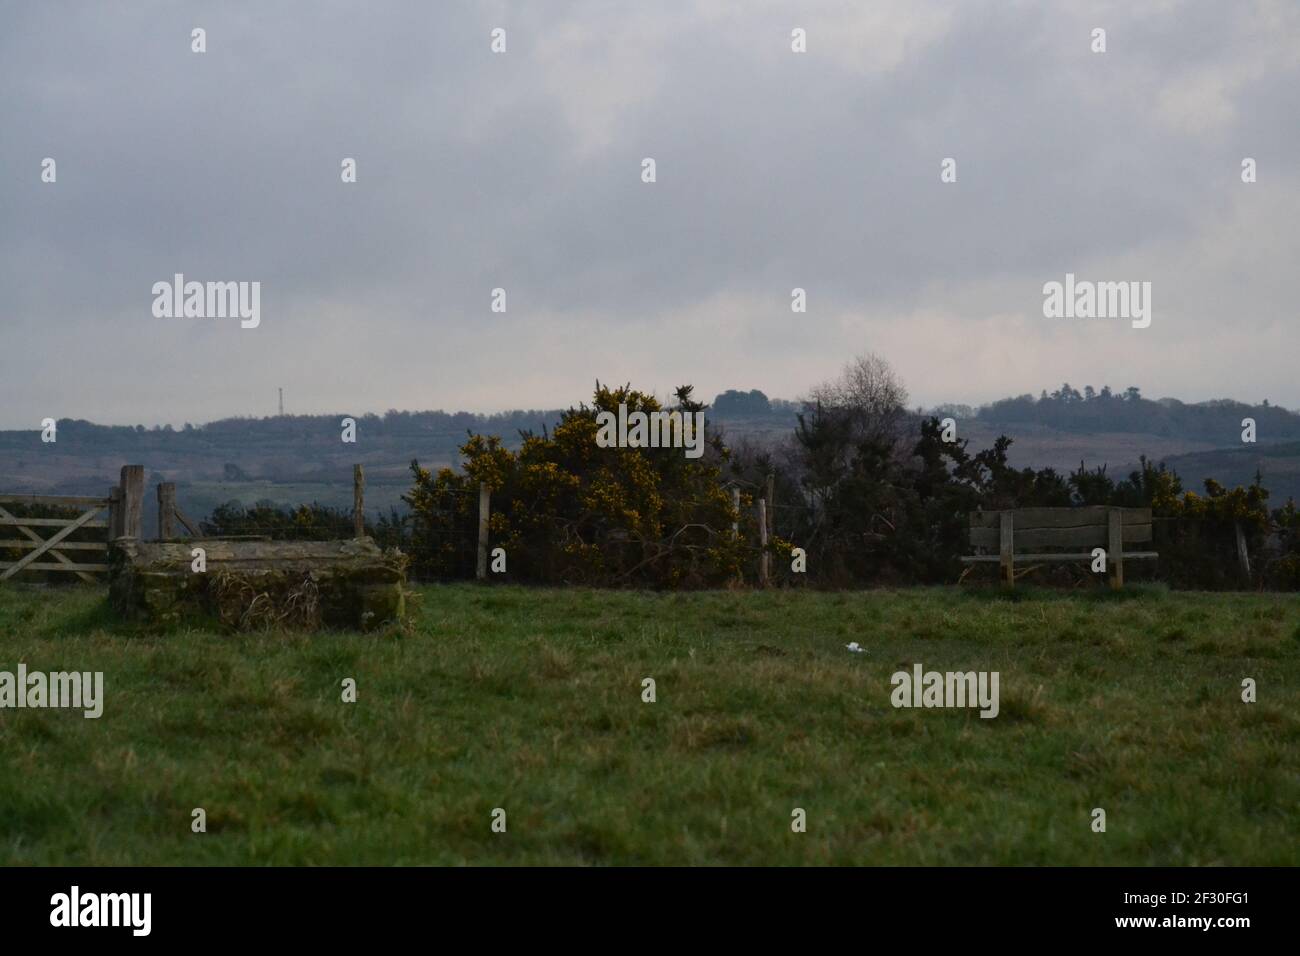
x=567, y=510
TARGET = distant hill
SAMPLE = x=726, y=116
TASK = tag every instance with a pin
x=1198, y=440
x=283, y=448
x=1066, y=410
x=288, y=460
x=296, y=459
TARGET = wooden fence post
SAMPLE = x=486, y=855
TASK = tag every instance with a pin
x=765, y=559
x=735, y=531
x=166, y=510
x=771, y=506
x=132, y=500
x=358, y=502
x=1115, y=551
x=1006, y=550
x=114, y=514
x=484, y=512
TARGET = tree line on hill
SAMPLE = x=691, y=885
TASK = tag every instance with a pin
x=1099, y=410
x=296, y=427
x=1068, y=409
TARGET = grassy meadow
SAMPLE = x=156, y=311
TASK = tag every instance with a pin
x=531, y=700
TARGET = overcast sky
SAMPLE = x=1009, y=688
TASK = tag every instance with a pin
x=522, y=170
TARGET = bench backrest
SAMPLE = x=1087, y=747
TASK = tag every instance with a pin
x=1037, y=528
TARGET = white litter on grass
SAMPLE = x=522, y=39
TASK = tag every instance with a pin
x=856, y=648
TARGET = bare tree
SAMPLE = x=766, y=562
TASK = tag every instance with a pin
x=870, y=393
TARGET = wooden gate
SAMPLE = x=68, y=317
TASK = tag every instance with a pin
x=122, y=503
x=52, y=548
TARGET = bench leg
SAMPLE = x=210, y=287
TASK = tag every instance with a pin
x=1115, y=557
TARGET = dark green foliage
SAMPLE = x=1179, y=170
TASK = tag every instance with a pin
x=889, y=510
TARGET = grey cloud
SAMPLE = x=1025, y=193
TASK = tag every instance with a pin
x=522, y=171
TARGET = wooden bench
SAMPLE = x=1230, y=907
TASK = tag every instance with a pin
x=1024, y=533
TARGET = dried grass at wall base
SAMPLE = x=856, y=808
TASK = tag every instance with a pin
x=246, y=603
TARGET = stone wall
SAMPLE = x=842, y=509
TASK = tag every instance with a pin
x=246, y=585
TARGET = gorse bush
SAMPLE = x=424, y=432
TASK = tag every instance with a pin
x=569, y=511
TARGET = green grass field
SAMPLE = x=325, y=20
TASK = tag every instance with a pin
x=530, y=700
